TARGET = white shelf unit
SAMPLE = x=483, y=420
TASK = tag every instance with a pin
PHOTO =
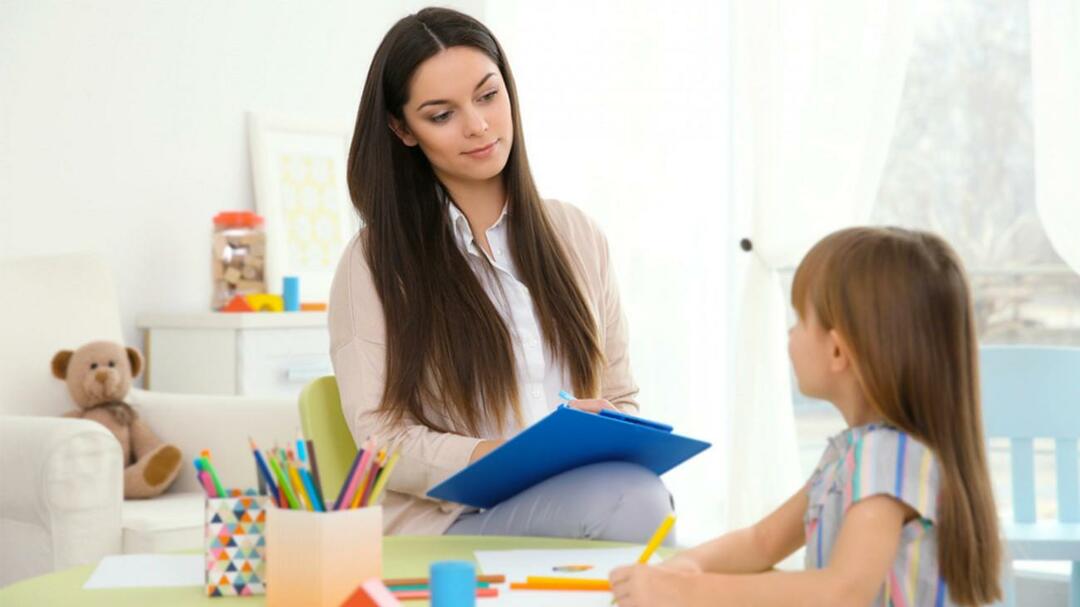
x=237, y=353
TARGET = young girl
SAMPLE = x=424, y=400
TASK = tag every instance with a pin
x=468, y=302
x=899, y=511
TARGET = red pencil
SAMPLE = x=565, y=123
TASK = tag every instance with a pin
x=424, y=595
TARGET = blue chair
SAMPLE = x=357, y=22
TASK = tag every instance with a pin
x=1033, y=392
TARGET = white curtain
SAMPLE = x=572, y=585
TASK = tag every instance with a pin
x=816, y=86
x=626, y=114
x=1055, y=76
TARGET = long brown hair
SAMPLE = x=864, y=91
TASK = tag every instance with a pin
x=446, y=342
x=900, y=300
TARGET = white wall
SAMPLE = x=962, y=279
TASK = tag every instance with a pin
x=122, y=124
x=625, y=106
x=122, y=130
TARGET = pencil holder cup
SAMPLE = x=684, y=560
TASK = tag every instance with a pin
x=235, y=545
x=319, y=558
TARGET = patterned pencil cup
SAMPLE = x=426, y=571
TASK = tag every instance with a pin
x=235, y=545
x=319, y=558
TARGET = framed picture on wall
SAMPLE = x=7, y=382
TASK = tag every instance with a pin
x=299, y=167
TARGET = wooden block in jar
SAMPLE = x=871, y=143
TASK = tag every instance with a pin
x=251, y=286
x=233, y=275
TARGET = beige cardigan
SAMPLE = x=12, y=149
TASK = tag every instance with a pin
x=357, y=347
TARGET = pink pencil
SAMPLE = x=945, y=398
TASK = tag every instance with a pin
x=207, y=484
x=350, y=493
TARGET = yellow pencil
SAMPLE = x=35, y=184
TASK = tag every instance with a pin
x=299, y=487
x=381, y=482
x=657, y=538
x=366, y=478
x=562, y=583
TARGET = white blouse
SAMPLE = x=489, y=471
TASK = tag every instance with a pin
x=540, y=377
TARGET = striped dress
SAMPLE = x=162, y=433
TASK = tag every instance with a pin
x=880, y=460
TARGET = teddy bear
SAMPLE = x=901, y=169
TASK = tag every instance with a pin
x=99, y=376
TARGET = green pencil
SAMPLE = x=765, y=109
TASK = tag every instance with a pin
x=284, y=484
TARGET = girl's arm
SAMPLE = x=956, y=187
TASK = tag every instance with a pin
x=753, y=549
x=858, y=565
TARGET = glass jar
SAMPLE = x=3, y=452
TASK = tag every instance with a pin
x=238, y=258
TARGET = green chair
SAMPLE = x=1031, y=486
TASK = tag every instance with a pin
x=324, y=424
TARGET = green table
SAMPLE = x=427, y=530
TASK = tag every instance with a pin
x=403, y=556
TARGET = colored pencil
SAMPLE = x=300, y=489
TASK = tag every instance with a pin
x=654, y=542
x=207, y=484
x=265, y=474
x=566, y=583
x=348, y=477
x=263, y=489
x=427, y=587
x=494, y=578
x=384, y=477
x=364, y=473
x=209, y=468
x=314, y=462
x=309, y=488
x=354, y=483
x=367, y=483
x=290, y=499
x=657, y=538
x=298, y=487
x=424, y=595
x=301, y=452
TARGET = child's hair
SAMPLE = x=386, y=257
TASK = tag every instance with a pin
x=899, y=299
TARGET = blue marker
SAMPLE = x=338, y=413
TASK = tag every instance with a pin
x=566, y=396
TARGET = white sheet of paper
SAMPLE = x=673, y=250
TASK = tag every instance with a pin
x=148, y=571
x=517, y=565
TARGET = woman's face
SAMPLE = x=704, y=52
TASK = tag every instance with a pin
x=458, y=112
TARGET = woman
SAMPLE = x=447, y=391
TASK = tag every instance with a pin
x=467, y=302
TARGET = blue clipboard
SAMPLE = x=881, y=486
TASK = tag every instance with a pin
x=566, y=439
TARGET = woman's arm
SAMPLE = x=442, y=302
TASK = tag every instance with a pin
x=753, y=549
x=858, y=566
x=617, y=381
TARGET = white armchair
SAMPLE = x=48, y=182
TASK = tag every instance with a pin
x=61, y=491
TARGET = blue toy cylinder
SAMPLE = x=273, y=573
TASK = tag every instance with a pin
x=290, y=292
x=453, y=584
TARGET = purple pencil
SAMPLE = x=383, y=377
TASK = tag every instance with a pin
x=348, y=477
x=314, y=470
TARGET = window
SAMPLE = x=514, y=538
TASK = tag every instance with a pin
x=961, y=165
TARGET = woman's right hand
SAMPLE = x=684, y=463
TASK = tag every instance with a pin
x=592, y=405
x=483, y=448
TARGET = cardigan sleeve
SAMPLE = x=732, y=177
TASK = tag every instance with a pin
x=617, y=381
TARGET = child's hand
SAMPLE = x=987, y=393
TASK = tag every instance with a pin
x=645, y=586
x=681, y=563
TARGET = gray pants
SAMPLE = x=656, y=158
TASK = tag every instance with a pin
x=612, y=501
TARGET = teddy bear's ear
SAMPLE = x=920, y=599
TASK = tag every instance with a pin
x=136, y=361
x=60, y=363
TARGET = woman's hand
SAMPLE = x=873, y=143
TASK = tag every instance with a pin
x=592, y=405
x=645, y=586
